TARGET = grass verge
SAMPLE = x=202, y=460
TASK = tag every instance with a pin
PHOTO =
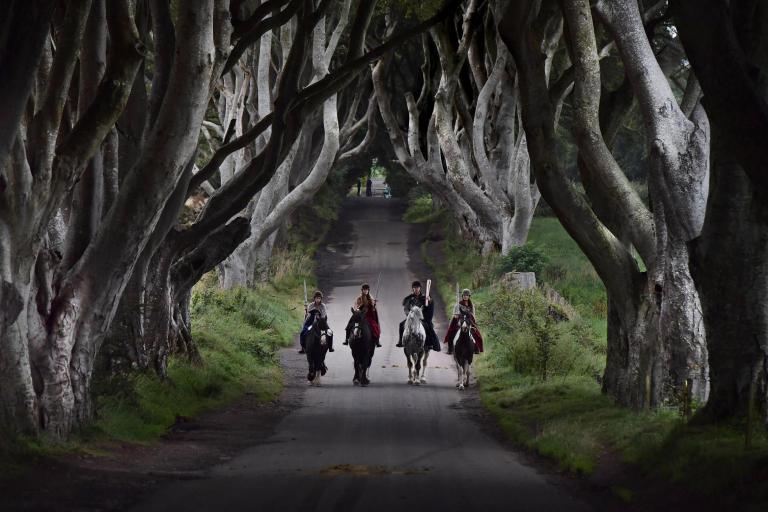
x=538, y=380
x=238, y=333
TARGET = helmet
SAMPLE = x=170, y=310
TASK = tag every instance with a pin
x=416, y=284
x=317, y=294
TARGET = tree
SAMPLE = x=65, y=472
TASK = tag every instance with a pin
x=726, y=46
x=63, y=306
x=655, y=340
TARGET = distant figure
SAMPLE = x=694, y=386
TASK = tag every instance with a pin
x=359, y=184
x=387, y=190
x=369, y=187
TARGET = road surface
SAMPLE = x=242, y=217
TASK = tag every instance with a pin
x=386, y=447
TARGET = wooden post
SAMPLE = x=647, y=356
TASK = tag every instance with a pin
x=686, y=399
x=647, y=401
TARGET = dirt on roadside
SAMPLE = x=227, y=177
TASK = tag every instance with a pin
x=123, y=473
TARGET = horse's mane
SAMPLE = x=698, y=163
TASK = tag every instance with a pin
x=415, y=316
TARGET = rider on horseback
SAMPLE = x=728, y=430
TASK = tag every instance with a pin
x=428, y=308
x=367, y=305
x=464, y=307
x=316, y=307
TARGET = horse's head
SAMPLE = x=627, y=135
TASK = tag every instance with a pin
x=464, y=323
x=416, y=313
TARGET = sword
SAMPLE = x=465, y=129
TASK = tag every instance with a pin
x=426, y=298
x=378, y=283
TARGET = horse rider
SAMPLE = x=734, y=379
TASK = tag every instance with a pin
x=316, y=307
x=367, y=305
x=464, y=307
x=428, y=308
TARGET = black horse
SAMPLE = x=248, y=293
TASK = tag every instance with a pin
x=362, y=344
x=464, y=352
x=317, y=347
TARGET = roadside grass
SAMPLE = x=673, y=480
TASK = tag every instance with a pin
x=539, y=380
x=238, y=333
x=569, y=271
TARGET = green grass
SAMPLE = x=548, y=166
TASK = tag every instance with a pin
x=238, y=333
x=570, y=272
x=566, y=417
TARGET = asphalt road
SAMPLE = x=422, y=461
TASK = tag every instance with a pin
x=386, y=447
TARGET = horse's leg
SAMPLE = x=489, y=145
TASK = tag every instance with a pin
x=417, y=372
x=466, y=373
x=410, y=368
x=424, y=367
x=356, y=378
x=459, y=373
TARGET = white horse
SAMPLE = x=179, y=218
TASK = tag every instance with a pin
x=414, y=337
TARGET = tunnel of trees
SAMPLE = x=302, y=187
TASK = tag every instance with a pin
x=144, y=143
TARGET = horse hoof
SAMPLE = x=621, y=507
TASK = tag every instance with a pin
x=356, y=382
x=423, y=380
x=461, y=387
x=457, y=384
x=410, y=381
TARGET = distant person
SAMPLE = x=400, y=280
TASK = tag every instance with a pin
x=369, y=187
x=316, y=307
x=359, y=184
x=387, y=190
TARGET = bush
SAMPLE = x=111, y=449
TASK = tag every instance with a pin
x=527, y=258
x=528, y=340
x=420, y=210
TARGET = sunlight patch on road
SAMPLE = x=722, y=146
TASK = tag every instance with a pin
x=364, y=470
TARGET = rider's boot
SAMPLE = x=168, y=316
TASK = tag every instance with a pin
x=302, y=351
x=450, y=346
x=400, y=338
x=477, y=350
x=346, y=339
x=377, y=342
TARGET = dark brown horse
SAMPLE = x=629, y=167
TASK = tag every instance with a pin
x=362, y=344
x=317, y=347
x=464, y=352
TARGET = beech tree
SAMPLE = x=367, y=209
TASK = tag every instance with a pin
x=656, y=343
x=726, y=46
x=57, y=307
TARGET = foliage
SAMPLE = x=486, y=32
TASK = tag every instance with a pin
x=238, y=333
x=530, y=342
x=526, y=258
x=572, y=422
x=569, y=272
x=421, y=210
x=411, y=9
x=399, y=180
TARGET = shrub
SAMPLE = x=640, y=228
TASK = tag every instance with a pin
x=420, y=210
x=527, y=258
x=527, y=340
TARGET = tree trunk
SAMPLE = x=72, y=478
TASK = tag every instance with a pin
x=731, y=271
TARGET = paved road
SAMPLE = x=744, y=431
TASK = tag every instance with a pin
x=381, y=448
